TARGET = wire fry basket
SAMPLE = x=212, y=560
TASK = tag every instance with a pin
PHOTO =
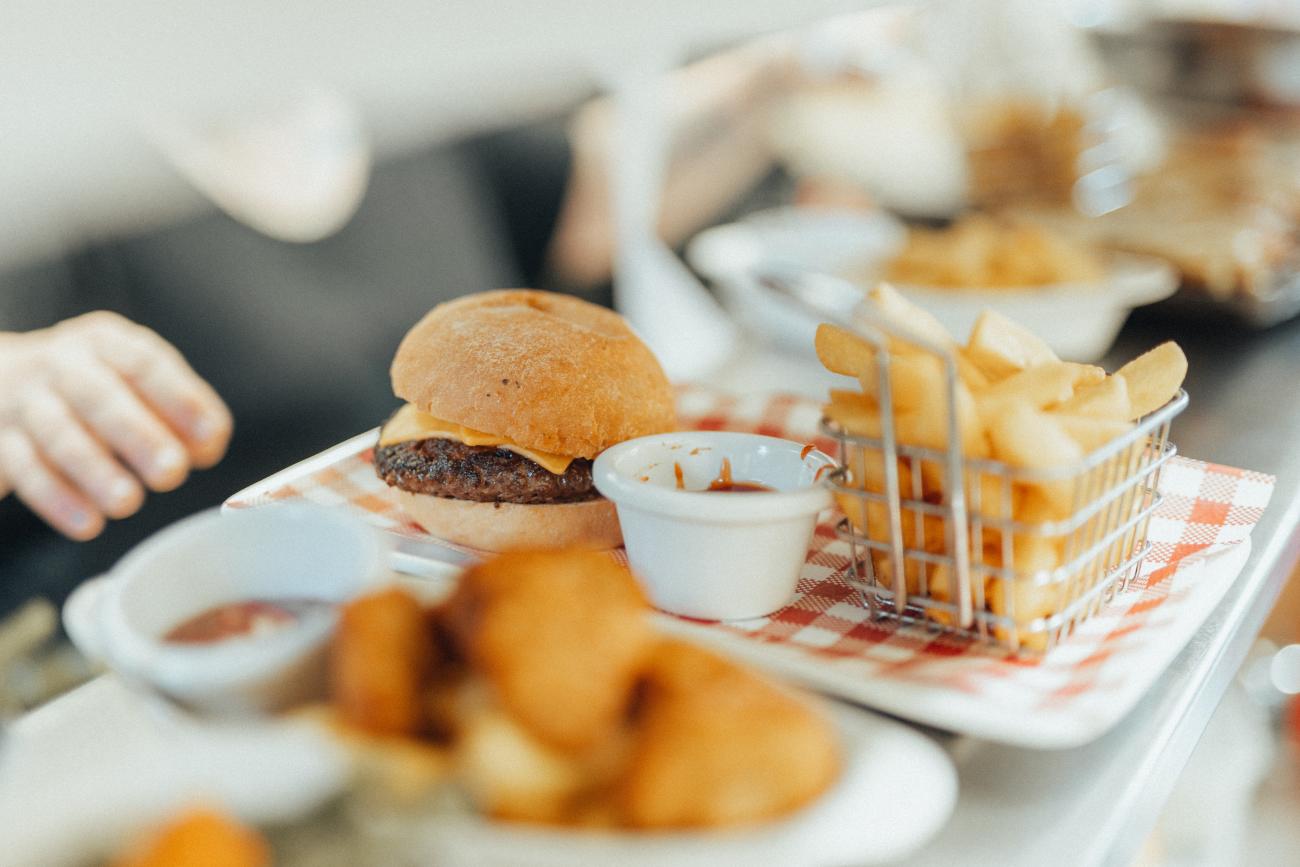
x=1007, y=555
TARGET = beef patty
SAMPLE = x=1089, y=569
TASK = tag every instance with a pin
x=486, y=474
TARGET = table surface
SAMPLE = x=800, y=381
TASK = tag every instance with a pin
x=1095, y=804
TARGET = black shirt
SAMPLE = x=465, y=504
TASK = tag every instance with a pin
x=297, y=338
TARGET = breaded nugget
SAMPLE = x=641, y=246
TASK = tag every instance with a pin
x=717, y=745
x=200, y=838
x=383, y=655
x=510, y=774
x=561, y=638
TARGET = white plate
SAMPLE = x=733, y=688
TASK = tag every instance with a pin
x=65, y=766
x=1079, y=322
x=1050, y=727
x=1008, y=702
x=811, y=239
x=897, y=790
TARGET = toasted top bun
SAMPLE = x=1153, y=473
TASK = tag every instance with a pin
x=543, y=370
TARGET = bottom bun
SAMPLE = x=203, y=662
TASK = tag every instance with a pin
x=510, y=526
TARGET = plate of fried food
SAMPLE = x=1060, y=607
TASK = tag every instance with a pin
x=535, y=715
x=574, y=733
x=1073, y=295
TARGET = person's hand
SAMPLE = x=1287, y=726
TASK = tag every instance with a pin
x=95, y=409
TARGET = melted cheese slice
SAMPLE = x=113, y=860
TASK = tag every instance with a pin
x=408, y=423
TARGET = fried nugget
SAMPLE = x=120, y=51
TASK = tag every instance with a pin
x=382, y=657
x=717, y=745
x=561, y=638
x=200, y=838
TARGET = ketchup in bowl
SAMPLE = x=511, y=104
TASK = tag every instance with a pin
x=247, y=619
x=724, y=483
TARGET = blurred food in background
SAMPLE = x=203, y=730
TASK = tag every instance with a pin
x=988, y=252
x=1026, y=150
x=1223, y=207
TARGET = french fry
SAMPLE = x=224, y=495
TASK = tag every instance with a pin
x=926, y=424
x=1106, y=399
x=1031, y=507
x=1037, y=387
x=867, y=472
x=856, y=413
x=914, y=381
x=1021, y=598
x=970, y=372
x=1025, y=437
x=1091, y=432
x=1154, y=378
x=903, y=313
x=1000, y=347
x=1025, y=603
x=841, y=351
x=933, y=539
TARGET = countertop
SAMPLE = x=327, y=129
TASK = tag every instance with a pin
x=1096, y=804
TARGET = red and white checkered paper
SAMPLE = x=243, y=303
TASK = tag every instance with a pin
x=828, y=639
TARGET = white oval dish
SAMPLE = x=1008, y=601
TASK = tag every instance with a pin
x=212, y=559
x=897, y=789
x=1079, y=322
x=712, y=555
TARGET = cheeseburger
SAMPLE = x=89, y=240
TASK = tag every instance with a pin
x=509, y=396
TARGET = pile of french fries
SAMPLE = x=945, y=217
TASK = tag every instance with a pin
x=1026, y=422
x=985, y=252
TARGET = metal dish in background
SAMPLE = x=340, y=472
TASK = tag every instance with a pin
x=1239, y=62
x=1206, y=73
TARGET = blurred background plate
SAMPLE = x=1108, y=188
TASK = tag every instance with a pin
x=1078, y=321
x=800, y=239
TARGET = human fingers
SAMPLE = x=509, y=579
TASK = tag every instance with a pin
x=161, y=376
x=117, y=415
x=78, y=456
x=43, y=490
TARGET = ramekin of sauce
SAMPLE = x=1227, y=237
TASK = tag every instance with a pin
x=716, y=524
x=229, y=613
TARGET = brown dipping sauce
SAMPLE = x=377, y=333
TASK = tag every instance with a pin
x=740, y=487
x=725, y=484
x=241, y=620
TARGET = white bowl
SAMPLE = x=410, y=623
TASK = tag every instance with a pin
x=1079, y=322
x=805, y=239
x=211, y=559
x=711, y=555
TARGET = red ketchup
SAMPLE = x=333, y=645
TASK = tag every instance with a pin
x=239, y=620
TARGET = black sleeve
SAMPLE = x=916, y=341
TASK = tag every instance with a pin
x=526, y=172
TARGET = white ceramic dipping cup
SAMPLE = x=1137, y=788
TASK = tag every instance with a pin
x=715, y=555
x=213, y=559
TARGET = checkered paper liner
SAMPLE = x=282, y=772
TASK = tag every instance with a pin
x=827, y=637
